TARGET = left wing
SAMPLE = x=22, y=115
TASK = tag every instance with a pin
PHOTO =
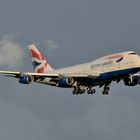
x=49, y=75
x=19, y=74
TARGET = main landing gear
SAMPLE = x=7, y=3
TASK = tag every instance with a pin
x=89, y=90
x=82, y=90
x=77, y=91
x=106, y=90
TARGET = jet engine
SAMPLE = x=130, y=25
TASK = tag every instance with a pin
x=132, y=81
x=65, y=82
x=26, y=79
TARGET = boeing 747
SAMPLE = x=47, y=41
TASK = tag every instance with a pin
x=83, y=78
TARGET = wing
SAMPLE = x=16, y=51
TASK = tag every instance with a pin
x=39, y=76
x=36, y=75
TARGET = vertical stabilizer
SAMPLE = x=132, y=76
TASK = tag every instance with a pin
x=40, y=64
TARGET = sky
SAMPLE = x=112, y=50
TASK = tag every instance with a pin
x=67, y=33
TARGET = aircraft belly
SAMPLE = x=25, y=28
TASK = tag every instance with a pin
x=118, y=73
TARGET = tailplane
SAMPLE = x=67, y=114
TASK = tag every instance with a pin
x=40, y=64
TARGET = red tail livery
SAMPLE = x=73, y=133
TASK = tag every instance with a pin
x=40, y=64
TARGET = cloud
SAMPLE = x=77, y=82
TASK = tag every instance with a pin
x=51, y=45
x=11, y=54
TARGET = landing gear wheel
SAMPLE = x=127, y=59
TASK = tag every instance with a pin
x=105, y=92
x=91, y=91
x=73, y=92
x=107, y=88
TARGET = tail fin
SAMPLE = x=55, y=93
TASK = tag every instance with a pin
x=40, y=64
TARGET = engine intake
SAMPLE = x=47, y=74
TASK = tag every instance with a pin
x=132, y=81
x=66, y=82
x=26, y=79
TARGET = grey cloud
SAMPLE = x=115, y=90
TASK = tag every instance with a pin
x=11, y=53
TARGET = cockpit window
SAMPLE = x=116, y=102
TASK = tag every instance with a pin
x=133, y=53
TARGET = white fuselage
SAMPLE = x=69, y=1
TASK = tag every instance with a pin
x=112, y=63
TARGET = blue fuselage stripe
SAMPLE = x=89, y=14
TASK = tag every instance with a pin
x=118, y=73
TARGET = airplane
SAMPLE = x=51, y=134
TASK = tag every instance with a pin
x=83, y=78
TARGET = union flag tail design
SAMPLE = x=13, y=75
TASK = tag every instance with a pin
x=40, y=64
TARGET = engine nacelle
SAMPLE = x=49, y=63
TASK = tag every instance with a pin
x=26, y=79
x=132, y=81
x=66, y=82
